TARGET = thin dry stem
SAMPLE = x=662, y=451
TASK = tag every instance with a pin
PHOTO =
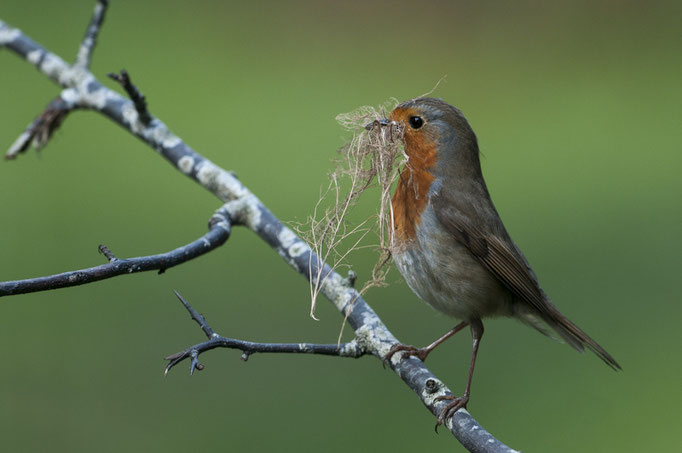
x=371, y=159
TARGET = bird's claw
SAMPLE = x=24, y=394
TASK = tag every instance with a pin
x=458, y=402
x=420, y=353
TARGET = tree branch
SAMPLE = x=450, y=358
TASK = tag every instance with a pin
x=244, y=208
x=219, y=232
x=351, y=349
x=90, y=40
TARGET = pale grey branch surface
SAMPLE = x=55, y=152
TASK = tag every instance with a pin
x=90, y=40
x=83, y=90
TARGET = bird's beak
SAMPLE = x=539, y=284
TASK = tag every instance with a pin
x=381, y=122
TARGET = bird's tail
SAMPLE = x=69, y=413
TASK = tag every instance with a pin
x=575, y=336
x=568, y=331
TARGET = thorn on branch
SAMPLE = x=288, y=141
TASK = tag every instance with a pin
x=135, y=95
x=104, y=250
x=349, y=281
x=39, y=132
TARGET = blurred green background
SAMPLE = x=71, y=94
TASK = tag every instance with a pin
x=578, y=111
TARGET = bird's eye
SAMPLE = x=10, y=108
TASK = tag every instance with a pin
x=416, y=122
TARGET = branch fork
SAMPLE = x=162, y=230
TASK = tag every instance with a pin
x=351, y=349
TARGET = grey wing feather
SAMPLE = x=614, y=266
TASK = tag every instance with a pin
x=503, y=259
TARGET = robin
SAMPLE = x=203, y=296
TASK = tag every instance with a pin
x=450, y=244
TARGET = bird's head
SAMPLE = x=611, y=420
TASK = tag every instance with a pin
x=437, y=136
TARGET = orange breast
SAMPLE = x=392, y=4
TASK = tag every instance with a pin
x=410, y=197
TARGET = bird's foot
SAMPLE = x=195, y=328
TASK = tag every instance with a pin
x=420, y=353
x=457, y=403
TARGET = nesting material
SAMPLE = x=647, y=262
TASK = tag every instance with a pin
x=372, y=159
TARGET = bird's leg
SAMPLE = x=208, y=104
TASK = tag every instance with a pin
x=459, y=402
x=422, y=353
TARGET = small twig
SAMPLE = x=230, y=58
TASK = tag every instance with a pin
x=216, y=236
x=352, y=349
x=135, y=95
x=248, y=348
x=350, y=279
x=198, y=317
x=39, y=132
x=88, y=45
x=104, y=250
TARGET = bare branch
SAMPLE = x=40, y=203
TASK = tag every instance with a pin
x=243, y=207
x=90, y=39
x=352, y=349
x=104, y=250
x=198, y=317
x=217, y=235
x=41, y=129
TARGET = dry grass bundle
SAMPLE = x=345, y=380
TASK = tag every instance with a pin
x=371, y=159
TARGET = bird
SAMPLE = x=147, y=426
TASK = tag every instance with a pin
x=449, y=242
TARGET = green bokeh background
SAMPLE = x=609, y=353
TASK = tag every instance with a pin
x=578, y=111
